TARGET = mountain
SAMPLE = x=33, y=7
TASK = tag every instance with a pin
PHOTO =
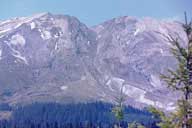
x=56, y=58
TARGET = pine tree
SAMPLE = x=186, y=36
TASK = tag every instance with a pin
x=181, y=78
x=165, y=121
x=118, y=110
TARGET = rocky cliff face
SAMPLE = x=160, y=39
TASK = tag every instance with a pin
x=57, y=58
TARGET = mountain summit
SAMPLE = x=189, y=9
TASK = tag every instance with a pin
x=56, y=58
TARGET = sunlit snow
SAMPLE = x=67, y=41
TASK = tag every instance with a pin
x=32, y=25
x=63, y=87
x=17, y=40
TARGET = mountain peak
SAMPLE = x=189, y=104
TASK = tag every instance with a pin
x=58, y=56
x=38, y=15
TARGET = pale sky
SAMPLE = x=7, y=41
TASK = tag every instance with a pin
x=92, y=12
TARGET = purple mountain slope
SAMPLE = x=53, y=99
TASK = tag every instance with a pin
x=46, y=58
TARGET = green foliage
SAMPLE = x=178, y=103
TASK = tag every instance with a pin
x=80, y=115
x=118, y=112
x=173, y=120
x=166, y=122
x=180, y=80
x=118, y=109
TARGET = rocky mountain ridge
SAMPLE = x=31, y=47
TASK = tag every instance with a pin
x=56, y=58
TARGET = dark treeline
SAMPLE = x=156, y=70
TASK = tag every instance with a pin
x=81, y=115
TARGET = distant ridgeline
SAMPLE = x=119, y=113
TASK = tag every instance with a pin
x=81, y=115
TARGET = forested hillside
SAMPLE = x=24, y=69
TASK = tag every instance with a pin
x=81, y=115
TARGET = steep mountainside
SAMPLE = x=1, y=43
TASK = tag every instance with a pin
x=56, y=58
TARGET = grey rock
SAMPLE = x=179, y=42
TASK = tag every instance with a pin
x=56, y=58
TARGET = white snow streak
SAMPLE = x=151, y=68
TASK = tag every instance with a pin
x=155, y=81
x=137, y=31
x=17, y=40
x=18, y=55
x=32, y=25
x=63, y=88
x=45, y=35
x=0, y=54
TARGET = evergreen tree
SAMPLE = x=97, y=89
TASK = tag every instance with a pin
x=80, y=115
x=181, y=78
x=118, y=110
x=165, y=121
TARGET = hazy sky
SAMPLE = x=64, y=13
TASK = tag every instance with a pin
x=93, y=12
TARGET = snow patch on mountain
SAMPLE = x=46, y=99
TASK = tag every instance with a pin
x=45, y=35
x=63, y=24
x=155, y=81
x=4, y=22
x=33, y=25
x=12, y=24
x=119, y=81
x=149, y=24
x=63, y=88
x=132, y=91
x=140, y=27
x=137, y=94
x=83, y=77
x=17, y=54
x=56, y=46
x=109, y=82
x=0, y=54
x=103, y=94
x=144, y=100
x=17, y=40
x=161, y=51
x=136, y=32
x=20, y=58
x=170, y=106
x=4, y=31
